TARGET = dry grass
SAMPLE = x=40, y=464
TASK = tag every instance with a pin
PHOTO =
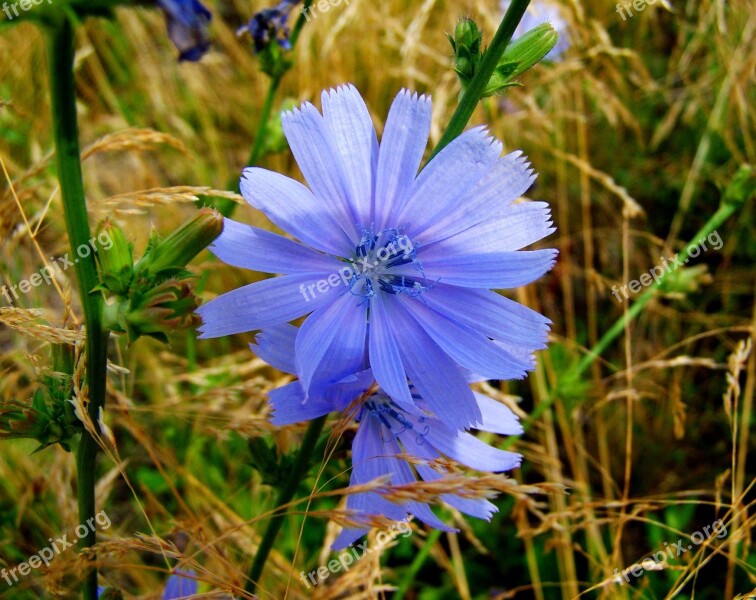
x=632, y=135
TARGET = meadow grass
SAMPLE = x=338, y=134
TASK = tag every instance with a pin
x=635, y=136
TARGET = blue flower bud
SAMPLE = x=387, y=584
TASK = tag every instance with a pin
x=187, y=22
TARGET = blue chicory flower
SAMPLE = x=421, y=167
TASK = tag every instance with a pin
x=543, y=11
x=270, y=24
x=187, y=22
x=393, y=268
x=387, y=435
x=181, y=584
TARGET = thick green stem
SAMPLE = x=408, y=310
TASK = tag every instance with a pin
x=298, y=471
x=488, y=63
x=63, y=101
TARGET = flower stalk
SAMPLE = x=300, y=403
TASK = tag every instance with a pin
x=298, y=471
x=457, y=124
x=741, y=189
x=60, y=50
x=226, y=207
x=483, y=73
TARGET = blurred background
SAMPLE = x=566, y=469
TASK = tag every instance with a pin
x=635, y=133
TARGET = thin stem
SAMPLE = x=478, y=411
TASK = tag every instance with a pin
x=63, y=102
x=725, y=211
x=227, y=207
x=417, y=564
x=262, y=128
x=488, y=63
x=298, y=471
x=275, y=83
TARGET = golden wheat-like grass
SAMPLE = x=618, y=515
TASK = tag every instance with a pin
x=158, y=136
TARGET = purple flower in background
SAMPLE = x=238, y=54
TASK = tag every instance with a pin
x=543, y=11
x=187, y=22
x=181, y=584
x=387, y=434
x=394, y=269
x=270, y=24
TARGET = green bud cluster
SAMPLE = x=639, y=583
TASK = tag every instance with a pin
x=154, y=296
x=521, y=54
x=49, y=418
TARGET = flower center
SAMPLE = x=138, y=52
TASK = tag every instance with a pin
x=376, y=258
x=394, y=418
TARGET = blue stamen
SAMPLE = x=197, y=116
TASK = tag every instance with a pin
x=394, y=249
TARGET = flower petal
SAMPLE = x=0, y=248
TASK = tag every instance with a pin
x=401, y=474
x=289, y=406
x=293, y=208
x=472, y=452
x=181, y=584
x=349, y=535
x=499, y=270
x=436, y=377
x=262, y=304
x=494, y=315
x=252, y=248
x=275, y=345
x=498, y=185
x=368, y=452
x=401, y=152
x=513, y=228
x=353, y=136
x=385, y=359
x=497, y=417
x=332, y=343
x=446, y=179
x=318, y=159
x=348, y=389
x=368, y=464
x=475, y=507
x=466, y=346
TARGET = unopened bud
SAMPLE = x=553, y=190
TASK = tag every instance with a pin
x=524, y=52
x=182, y=246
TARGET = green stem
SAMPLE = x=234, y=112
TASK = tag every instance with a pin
x=488, y=63
x=725, y=211
x=63, y=101
x=457, y=124
x=227, y=207
x=262, y=128
x=417, y=564
x=298, y=471
x=275, y=83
